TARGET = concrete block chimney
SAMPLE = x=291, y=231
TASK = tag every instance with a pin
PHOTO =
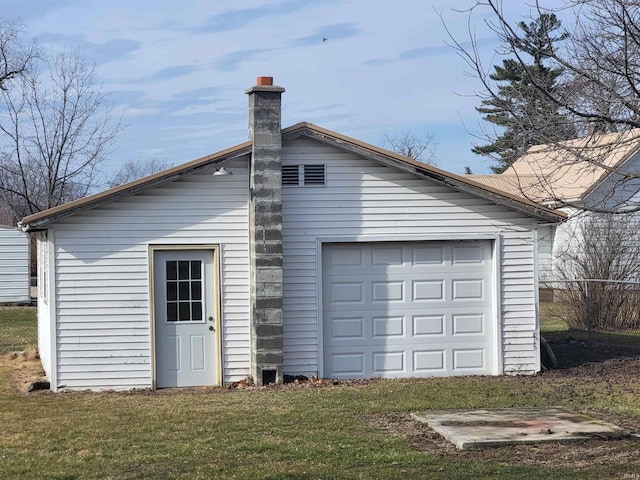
x=265, y=231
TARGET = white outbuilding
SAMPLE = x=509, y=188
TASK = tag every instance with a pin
x=299, y=252
x=15, y=279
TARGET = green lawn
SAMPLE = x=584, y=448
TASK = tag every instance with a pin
x=267, y=433
x=550, y=318
x=279, y=433
x=18, y=329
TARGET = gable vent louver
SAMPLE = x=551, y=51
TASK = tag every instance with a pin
x=314, y=174
x=290, y=175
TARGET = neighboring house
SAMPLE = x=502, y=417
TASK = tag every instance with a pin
x=14, y=266
x=319, y=255
x=596, y=173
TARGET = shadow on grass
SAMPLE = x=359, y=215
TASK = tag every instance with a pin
x=575, y=347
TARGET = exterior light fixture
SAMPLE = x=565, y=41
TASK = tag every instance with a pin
x=222, y=172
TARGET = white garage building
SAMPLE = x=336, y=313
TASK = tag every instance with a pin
x=319, y=255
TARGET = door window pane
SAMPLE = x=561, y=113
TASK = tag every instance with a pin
x=172, y=291
x=196, y=312
x=172, y=270
x=184, y=290
x=172, y=311
x=196, y=267
x=183, y=270
x=184, y=311
x=196, y=290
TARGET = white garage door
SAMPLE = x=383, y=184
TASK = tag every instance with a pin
x=408, y=309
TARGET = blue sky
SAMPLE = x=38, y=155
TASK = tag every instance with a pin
x=178, y=69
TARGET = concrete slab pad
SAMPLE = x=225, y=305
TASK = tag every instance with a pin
x=485, y=428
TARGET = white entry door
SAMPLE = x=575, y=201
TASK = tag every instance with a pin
x=185, y=323
x=408, y=309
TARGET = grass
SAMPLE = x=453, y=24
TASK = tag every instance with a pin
x=294, y=433
x=271, y=433
x=550, y=318
x=18, y=329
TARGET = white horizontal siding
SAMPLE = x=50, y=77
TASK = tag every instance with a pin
x=546, y=236
x=102, y=277
x=363, y=198
x=14, y=266
x=553, y=240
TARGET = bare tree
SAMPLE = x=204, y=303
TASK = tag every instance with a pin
x=135, y=169
x=16, y=55
x=598, y=266
x=421, y=148
x=599, y=89
x=55, y=131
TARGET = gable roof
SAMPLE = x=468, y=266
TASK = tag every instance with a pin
x=566, y=173
x=308, y=130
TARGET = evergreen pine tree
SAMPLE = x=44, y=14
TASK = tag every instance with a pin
x=520, y=105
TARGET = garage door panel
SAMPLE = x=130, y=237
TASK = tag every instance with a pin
x=389, y=327
x=409, y=343
x=387, y=291
x=419, y=289
x=427, y=255
x=443, y=329
x=347, y=292
x=468, y=254
x=428, y=326
x=428, y=290
x=389, y=364
x=468, y=289
x=407, y=309
x=347, y=328
x=468, y=324
x=367, y=330
x=346, y=257
x=386, y=256
x=373, y=326
x=347, y=364
x=429, y=362
x=468, y=359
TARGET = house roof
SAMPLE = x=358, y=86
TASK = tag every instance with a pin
x=566, y=173
x=519, y=185
x=309, y=130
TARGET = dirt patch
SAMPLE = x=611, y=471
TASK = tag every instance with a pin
x=26, y=369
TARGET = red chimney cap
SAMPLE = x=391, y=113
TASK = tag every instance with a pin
x=264, y=81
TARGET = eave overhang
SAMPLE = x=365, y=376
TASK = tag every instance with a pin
x=40, y=220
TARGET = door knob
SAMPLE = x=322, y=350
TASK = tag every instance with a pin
x=211, y=328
